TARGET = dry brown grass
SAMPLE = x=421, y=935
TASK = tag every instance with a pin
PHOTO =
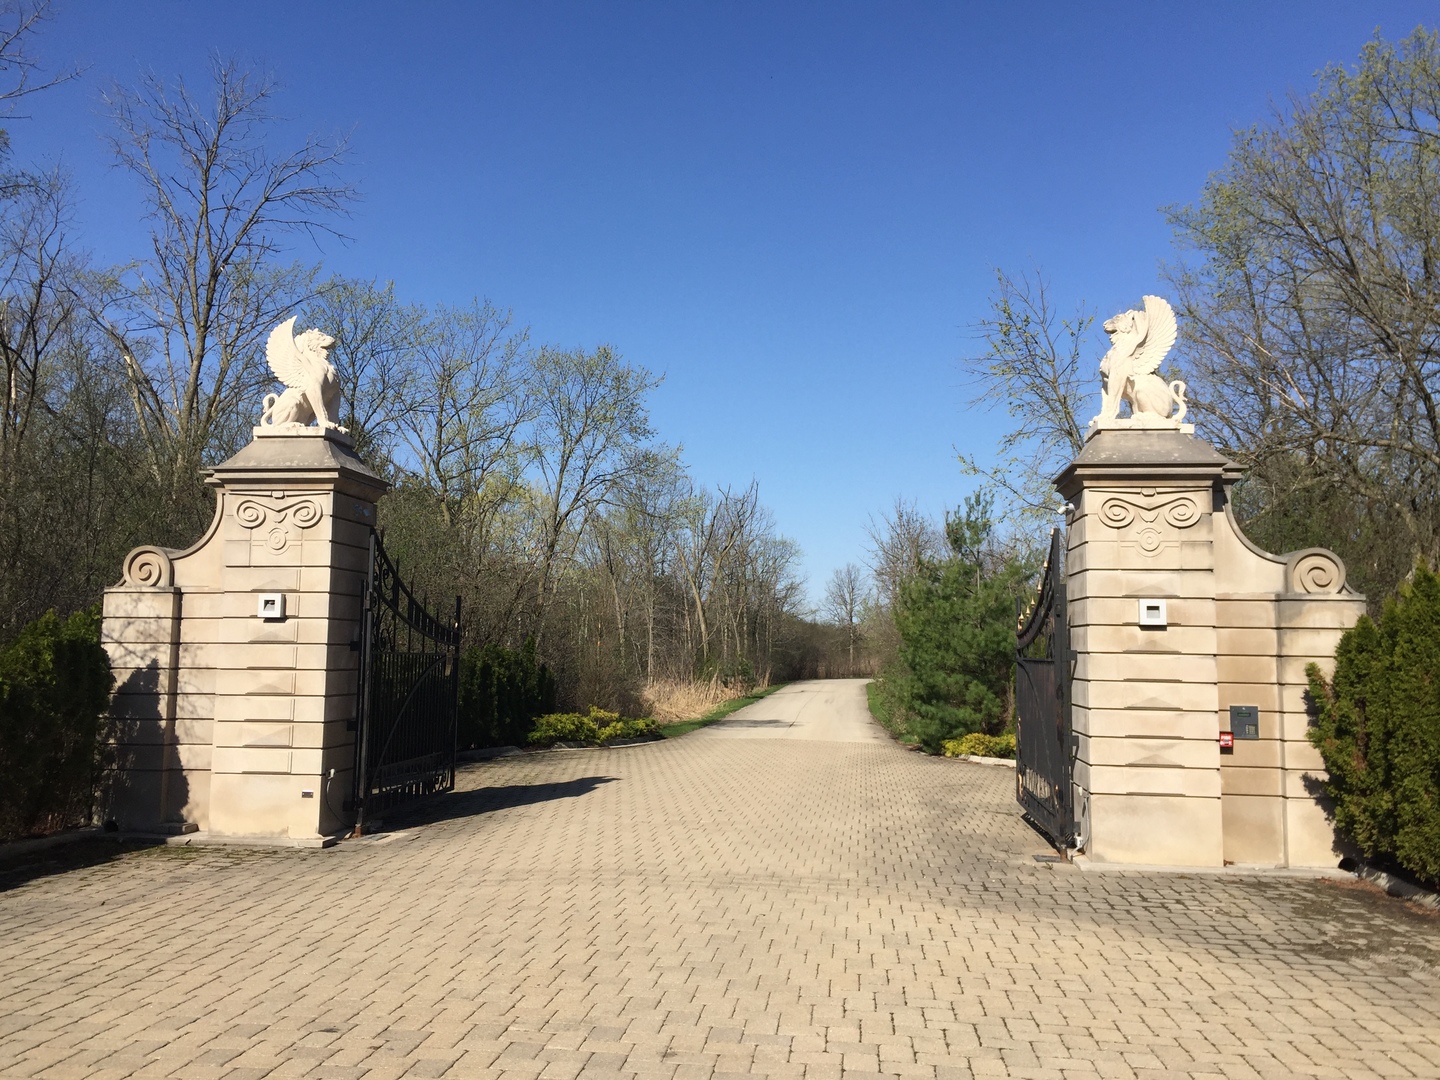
x=672, y=700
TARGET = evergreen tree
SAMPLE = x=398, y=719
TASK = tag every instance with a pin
x=1379, y=730
x=956, y=619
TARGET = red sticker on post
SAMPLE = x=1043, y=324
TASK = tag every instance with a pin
x=1227, y=740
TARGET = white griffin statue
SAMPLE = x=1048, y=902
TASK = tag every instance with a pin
x=312, y=388
x=1139, y=341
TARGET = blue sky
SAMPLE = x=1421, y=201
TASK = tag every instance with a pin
x=792, y=211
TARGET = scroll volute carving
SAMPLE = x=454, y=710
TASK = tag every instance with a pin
x=1153, y=510
x=149, y=568
x=280, y=518
x=1315, y=571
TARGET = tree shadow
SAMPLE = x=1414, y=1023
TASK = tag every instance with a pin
x=143, y=782
x=462, y=804
x=755, y=722
x=21, y=868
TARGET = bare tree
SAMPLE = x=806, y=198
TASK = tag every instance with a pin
x=188, y=321
x=1032, y=363
x=591, y=431
x=1311, y=305
x=844, y=599
x=466, y=400
x=19, y=20
x=38, y=276
x=375, y=353
x=899, y=542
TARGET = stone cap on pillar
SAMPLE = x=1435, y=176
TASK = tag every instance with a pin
x=303, y=456
x=1141, y=456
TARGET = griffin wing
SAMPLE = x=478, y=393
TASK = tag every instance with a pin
x=286, y=361
x=1160, y=334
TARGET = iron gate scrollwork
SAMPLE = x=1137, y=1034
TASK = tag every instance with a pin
x=1042, y=705
x=407, y=703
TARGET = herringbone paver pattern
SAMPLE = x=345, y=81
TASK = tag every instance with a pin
x=705, y=908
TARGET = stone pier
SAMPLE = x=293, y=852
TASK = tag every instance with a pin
x=233, y=658
x=1186, y=638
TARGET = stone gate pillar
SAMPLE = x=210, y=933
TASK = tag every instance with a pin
x=235, y=671
x=1175, y=617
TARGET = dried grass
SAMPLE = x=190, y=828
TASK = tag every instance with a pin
x=672, y=700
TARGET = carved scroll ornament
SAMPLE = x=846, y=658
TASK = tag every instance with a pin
x=280, y=516
x=1315, y=571
x=149, y=568
x=1175, y=509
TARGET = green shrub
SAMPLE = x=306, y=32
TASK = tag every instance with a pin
x=1378, y=730
x=978, y=744
x=502, y=691
x=628, y=729
x=596, y=727
x=564, y=727
x=55, y=685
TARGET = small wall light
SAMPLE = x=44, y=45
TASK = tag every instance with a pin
x=272, y=605
x=1152, y=613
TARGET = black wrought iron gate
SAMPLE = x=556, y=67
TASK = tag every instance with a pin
x=1042, y=705
x=408, y=695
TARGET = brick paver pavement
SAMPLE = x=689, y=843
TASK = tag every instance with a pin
x=705, y=908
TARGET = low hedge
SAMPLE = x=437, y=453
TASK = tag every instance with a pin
x=1378, y=730
x=596, y=728
x=977, y=744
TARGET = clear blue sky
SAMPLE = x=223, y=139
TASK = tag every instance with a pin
x=790, y=210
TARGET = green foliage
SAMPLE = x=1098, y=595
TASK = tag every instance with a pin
x=565, y=727
x=597, y=726
x=55, y=684
x=502, y=691
x=1379, y=730
x=639, y=728
x=881, y=695
x=979, y=744
x=956, y=619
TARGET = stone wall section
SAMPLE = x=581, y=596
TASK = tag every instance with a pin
x=1276, y=614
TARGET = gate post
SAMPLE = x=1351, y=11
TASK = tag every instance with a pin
x=1147, y=768
x=1176, y=618
x=255, y=707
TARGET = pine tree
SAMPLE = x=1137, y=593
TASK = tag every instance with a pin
x=1379, y=730
x=956, y=619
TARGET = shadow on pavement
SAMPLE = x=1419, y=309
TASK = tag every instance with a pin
x=18, y=868
x=462, y=804
x=751, y=722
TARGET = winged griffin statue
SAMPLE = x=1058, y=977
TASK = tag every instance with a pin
x=1139, y=341
x=312, y=388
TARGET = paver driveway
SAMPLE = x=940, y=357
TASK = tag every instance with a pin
x=710, y=906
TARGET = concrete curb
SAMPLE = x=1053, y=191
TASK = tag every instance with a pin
x=1400, y=888
x=976, y=759
x=641, y=740
x=205, y=839
x=1084, y=863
